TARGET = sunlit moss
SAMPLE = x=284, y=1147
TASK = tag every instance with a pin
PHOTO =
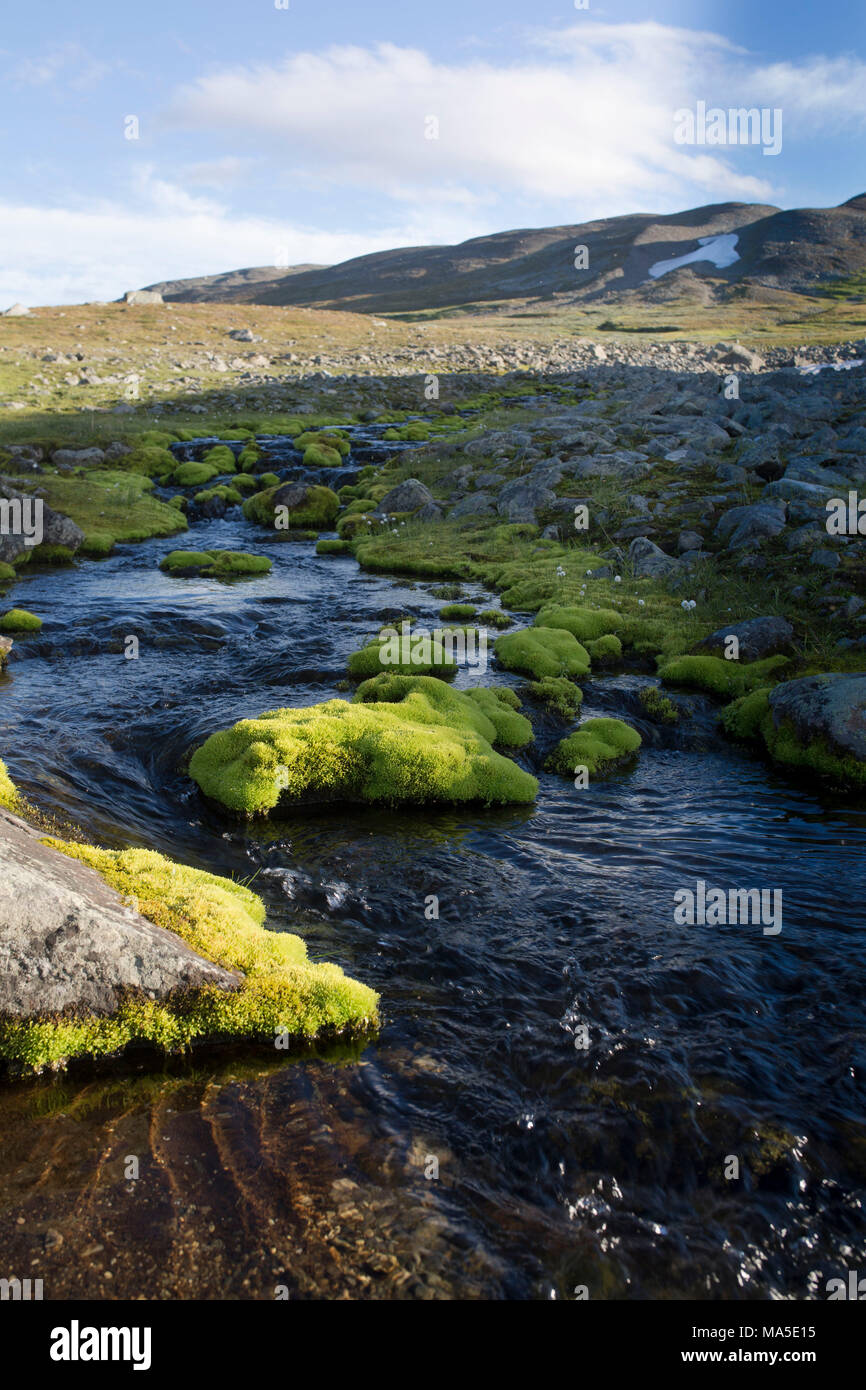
x=598, y=745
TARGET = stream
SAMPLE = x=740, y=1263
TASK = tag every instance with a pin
x=475, y=1148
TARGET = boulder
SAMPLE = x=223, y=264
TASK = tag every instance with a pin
x=77, y=458
x=474, y=504
x=520, y=498
x=757, y=637
x=68, y=941
x=17, y=311
x=745, y=527
x=56, y=529
x=649, y=560
x=735, y=355
x=829, y=707
x=407, y=496
x=143, y=297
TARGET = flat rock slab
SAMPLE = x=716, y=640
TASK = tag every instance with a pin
x=67, y=940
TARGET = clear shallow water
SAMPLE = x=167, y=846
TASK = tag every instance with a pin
x=558, y=1166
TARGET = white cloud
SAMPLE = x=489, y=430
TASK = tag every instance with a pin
x=159, y=232
x=69, y=61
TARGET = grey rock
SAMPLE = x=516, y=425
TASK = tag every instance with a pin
x=757, y=637
x=734, y=355
x=142, y=297
x=689, y=540
x=832, y=707
x=56, y=529
x=407, y=496
x=744, y=527
x=649, y=560
x=475, y=504
x=68, y=941
x=825, y=559
x=77, y=458
x=16, y=311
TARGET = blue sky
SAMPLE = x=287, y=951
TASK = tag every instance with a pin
x=270, y=135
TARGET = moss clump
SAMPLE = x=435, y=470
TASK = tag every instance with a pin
x=282, y=991
x=657, y=706
x=97, y=544
x=149, y=460
x=194, y=474
x=214, y=564
x=10, y=797
x=317, y=510
x=52, y=555
x=333, y=547
x=586, y=624
x=245, y=482
x=605, y=650
x=321, y=456
x=598, y=745
x=558, y=694
x=7, y=574
x=416, y=653
x=494, y=617
x=491, y=712
x=348, y=527
x=325, y=441
x=249, y=457
x=226, y=494
x=220, y=457
x=268, y=480
x=716, y=676
x=389, y=752
x=160, y=438
x=457, y=610
x=19, y=620
x=542, y=651
x=744, y=717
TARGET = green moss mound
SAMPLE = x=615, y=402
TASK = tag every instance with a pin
x=214, y=564
x=586, y=624
x=222, y=458
x=249, y=457
x=245, y=482
x=227, y=494
x=605, y=650
x=97, y=544
x=488, y=711
x=52, y=555
x=333, y=547
x=598, y=745
x=716, y=676
x=317, y=511
x=19, y=620
x=112, y=502
x=282, y=991
x=457, y=610
x=321, y=456
x=378, y=752
x=150, y=460
x=542, y=651
x=194, y=474
x=558, y=693
x=160, y=438
x=7, y=574
x=494, y=617
x=326, y=441
x=425, y=655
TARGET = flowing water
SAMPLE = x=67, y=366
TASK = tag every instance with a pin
x=475, y=1148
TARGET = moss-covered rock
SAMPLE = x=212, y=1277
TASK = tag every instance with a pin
x=96, y=544
x=298, y=505
x=214, y=564
x=10, y=797
x=598, y=745
x=52, y=555
x=194, y=474
x=558, y=694
x=457, y=610
x=606, y=651
x=542, y=651
x=326, y=443
x=151, y=461
x=406, y=652
x=282, y=992
x=586, y=624
x=333, y=547
x=19, y=620
x=222, y=458
x=816, y=723
x=494, y=617
x=716, y=676
x=7, y=574
x=657, y=706
x=490, y=711
x=384, y=751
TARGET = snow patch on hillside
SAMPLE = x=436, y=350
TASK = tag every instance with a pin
x=718, y=249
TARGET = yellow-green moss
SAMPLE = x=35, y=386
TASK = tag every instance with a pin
x=428, y=655
x=10, y=798
x=281, y=990
x=597, y=745
x=214, y=564
x=19, y=620
x=333, y=547
x=378, y=752
x=716, y=676
x=317, y=511
x=586, y=624
x=605, y=650
x=750, y=719
x=542, y=651
x=558, y=694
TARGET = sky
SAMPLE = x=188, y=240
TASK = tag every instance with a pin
x=143, y=142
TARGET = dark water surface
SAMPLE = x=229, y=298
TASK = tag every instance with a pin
x=558, y=1166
